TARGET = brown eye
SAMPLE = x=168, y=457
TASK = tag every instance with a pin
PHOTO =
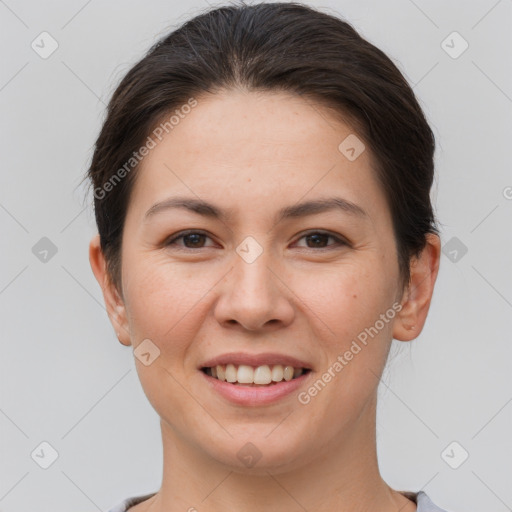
x=319, y=240
x=191, y=240
x=195, y=239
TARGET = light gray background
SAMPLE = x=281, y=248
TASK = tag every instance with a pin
x=66, y=380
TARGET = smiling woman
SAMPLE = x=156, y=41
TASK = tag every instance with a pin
x=264, y=252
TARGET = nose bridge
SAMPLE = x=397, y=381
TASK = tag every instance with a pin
x=253, y=282
x=252, y=274
x=252, y=295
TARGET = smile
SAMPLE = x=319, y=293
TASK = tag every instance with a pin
x=264, y=375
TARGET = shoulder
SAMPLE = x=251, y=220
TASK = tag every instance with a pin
x=130, y=502
x=425, y=504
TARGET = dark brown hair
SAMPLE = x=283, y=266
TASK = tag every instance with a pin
x=271, y=47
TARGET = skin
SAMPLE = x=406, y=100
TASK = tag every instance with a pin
x=199, y=298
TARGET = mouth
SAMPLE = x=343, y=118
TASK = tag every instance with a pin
x=254, y=376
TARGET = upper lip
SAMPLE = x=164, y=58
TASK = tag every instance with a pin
x=266, y=358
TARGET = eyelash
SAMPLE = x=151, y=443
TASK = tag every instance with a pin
x=172, y=241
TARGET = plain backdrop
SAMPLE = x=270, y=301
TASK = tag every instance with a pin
x=445, y=411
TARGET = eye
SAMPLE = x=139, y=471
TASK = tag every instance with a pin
x=193, y=238
x=319, y=238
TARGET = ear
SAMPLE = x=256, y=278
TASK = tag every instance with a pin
x=417, y=297
x=115, y=305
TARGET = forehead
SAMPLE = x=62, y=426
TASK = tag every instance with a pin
x=253, y=150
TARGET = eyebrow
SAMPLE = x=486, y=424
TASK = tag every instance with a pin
x=303, y=209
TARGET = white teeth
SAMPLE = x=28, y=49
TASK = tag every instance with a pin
x=261, y=375
x=288, y=372
x=277, y=373
x=231, y=373
x=245, y=374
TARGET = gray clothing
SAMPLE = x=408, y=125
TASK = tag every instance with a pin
x=423, y=502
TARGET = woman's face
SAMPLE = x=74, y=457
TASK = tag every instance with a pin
x=253, y=282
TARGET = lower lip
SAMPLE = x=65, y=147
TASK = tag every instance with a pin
x=255, y=395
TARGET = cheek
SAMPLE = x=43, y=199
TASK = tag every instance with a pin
x=346, y=300
x=164, y=305
x=160, y=299
x=350, y=302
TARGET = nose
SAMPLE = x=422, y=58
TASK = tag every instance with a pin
x=254, y=296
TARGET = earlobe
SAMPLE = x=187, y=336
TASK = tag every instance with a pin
x=417, y=298
x=114, y=303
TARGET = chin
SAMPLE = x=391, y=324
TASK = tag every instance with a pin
x=253, y=452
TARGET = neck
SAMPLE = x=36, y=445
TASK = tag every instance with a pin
x=343, y=477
